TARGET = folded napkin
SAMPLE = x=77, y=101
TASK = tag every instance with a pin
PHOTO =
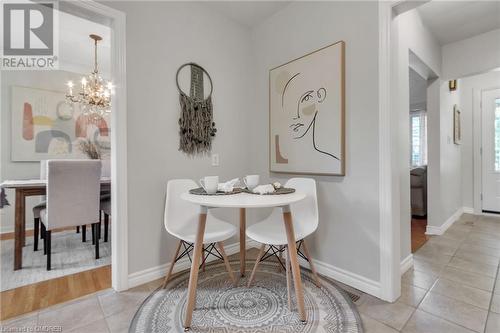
x=227, y=186
x=264, y=189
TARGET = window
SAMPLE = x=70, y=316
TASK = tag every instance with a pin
x=497, y=135
x=418, y=138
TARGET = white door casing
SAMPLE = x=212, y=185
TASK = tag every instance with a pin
x=490, y=157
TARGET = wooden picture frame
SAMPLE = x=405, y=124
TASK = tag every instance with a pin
x=307, y=113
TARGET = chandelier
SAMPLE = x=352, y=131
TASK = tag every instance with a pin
x=95, y=95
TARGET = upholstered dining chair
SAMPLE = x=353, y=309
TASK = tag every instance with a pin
x=73, y=188
x=181, y=221
x=271, y=231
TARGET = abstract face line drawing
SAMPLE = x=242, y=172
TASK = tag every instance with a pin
x=308, y=106
x=307, y=113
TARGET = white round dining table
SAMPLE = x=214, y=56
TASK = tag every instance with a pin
x=243, y=201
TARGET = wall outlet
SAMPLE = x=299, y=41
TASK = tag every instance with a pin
x=215, y=159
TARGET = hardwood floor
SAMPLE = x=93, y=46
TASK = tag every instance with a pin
x=43, y=294
x=29, y=233
x=418, y=236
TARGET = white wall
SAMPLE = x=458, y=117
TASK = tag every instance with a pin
x=348, y=234
x=469, y=90
x=161, y=36
x=411, y=35
x=471, y=56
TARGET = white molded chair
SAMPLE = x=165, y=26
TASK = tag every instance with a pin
x=73, y=188
x=271, y=231
x=181, y=221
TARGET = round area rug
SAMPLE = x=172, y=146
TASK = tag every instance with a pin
x=222, y=307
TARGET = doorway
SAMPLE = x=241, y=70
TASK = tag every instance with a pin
x=418, y=158
x=490, y=150
x=91, y=14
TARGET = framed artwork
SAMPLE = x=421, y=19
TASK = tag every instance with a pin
x=457, y=126
x=45, y=126
x=307, y=113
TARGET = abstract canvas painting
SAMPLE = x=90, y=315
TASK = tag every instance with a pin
x=306, y=113
x=45, y=126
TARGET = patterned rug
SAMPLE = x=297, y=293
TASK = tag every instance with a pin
x=221, y=307
x=69, y=256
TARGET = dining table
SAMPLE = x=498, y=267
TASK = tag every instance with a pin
x=243, y=201
x=25, y=188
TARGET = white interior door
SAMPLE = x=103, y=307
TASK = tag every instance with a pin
x=490, y=101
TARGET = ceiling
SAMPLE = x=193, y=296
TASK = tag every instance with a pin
x=248, y=13
x=451, y=21
x=76, y=49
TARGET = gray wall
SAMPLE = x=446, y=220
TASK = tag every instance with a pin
x=161, y=36
x=348, y=234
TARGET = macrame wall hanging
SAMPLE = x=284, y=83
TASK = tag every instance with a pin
x=197, y=127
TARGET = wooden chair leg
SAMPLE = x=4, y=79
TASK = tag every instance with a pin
x=35, y=235
x=193, y=275
x=226, y=262
x=259, y=256
x=93, y=227
x=106, y=226
x=280, y=268
x=203, y=261
x=313, y=268
x=171, y=268
x=96, y=237
x=288, y=280
x=77, y=229
x=48, y=240
x=84, y=233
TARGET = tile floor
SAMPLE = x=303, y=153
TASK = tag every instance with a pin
x=453, y=287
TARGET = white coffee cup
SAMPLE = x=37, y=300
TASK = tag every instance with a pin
x=209, y=184
x=251, y=181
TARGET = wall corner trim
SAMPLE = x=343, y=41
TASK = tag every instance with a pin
x=406, y=263
x=468, y=210
x=433, y=230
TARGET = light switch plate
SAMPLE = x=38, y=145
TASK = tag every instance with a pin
x=215, y=159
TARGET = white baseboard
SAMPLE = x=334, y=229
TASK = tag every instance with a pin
x=351, y=279
x=154, y=273
x=406, y=264
x=354, y=280
x=4, y=229
x=468, y=210
x=433, y=230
